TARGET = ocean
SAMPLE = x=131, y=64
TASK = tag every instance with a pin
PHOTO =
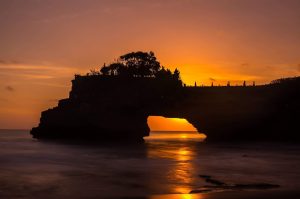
x=167, y=165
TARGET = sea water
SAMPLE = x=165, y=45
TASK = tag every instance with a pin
x=167, y=164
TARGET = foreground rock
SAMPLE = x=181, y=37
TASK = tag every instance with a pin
x=222, y=186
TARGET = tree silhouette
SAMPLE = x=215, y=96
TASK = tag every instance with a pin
x=176, y=74
x=138, y=64
x=93, y=72
x=104, y=70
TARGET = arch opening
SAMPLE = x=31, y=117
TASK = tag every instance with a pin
x=172, y=128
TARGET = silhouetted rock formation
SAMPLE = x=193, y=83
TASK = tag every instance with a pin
x=108, y=105
x=269, y=112
x=113, y=103
x=107, y=108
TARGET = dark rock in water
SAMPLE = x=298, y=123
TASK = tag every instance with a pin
x=211, y=180
x=204, y=176
x=256, y=186
x=243, y=186
x=219, y=186
x=107, y=107
x=215, y=182
x=201, y=191
x=224, y=187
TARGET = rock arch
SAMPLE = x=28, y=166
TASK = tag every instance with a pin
x=108, y=108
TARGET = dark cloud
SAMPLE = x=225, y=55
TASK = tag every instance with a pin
x=212, y=79
x=9, y=88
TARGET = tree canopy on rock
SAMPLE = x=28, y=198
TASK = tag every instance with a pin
x=137, y=64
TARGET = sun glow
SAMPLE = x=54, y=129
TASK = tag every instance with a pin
x=183, y=136
x=180, y=120
x=159, y=123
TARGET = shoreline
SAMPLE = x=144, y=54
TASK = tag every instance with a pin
x=245, y=194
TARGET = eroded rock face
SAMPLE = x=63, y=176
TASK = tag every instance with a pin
x=115, y=108
x=106, y=108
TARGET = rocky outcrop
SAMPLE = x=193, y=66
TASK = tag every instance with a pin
x=106, y=108
x=116, y=108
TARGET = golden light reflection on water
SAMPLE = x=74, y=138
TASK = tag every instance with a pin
x=184, y=154
x=180, y=174
x=191, y=196
x=179, y=196
x=175, y=135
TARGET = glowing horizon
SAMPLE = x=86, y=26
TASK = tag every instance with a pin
x=160, y=123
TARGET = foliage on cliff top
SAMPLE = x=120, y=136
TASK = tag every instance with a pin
x=137, y=64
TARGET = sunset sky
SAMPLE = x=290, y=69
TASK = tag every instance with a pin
x=45, y=42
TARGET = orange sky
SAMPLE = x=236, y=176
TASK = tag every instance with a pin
x=43, y=43
x=158, y=123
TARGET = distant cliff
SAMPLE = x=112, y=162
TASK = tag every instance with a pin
x=116, y=108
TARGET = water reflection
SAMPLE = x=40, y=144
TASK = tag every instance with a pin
x=181, y=171
x=156, y=169
x=179, y=196
x=176, y=135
